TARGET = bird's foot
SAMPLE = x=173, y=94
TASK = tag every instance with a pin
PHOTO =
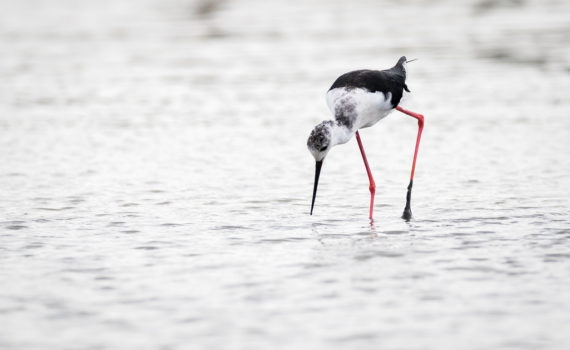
x=407, y=215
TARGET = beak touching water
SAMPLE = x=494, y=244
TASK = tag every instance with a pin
x=318, y=166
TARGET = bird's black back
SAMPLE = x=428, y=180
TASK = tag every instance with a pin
x=391, y=80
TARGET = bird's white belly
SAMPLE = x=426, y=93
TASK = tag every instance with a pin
x=367, y=107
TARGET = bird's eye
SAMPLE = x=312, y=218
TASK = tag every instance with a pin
x=323, y=149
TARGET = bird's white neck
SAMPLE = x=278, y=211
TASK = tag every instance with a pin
x=340, y=134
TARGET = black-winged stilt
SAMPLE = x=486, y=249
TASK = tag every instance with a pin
x=360, y=99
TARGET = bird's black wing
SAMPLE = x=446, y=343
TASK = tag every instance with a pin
x=391, y=80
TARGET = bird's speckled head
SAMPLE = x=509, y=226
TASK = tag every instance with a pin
x=320, y=140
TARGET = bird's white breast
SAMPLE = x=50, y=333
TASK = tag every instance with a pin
x=369, y=107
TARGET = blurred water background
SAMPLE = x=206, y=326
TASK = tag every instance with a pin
x=155, y=182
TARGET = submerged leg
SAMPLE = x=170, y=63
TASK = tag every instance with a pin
x=408, y=210
x=372, y=184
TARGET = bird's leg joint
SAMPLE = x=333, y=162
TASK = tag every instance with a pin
x=420, y=121
x=418, y=116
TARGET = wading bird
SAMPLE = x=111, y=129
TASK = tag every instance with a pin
x=360, y=99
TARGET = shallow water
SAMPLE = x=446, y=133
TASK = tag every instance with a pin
x=156, y=183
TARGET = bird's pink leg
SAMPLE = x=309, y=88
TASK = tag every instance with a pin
x=408, y=211
x=372, y=184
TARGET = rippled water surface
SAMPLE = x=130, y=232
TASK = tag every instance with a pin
x=155, y=182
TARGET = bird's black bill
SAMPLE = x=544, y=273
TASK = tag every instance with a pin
x=318, y=166
x=412, y=60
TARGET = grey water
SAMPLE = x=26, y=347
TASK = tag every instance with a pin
x=155, y=184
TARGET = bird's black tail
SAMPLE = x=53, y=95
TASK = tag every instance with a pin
x=400, y=70
x=399, y=67
x=401, y=61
